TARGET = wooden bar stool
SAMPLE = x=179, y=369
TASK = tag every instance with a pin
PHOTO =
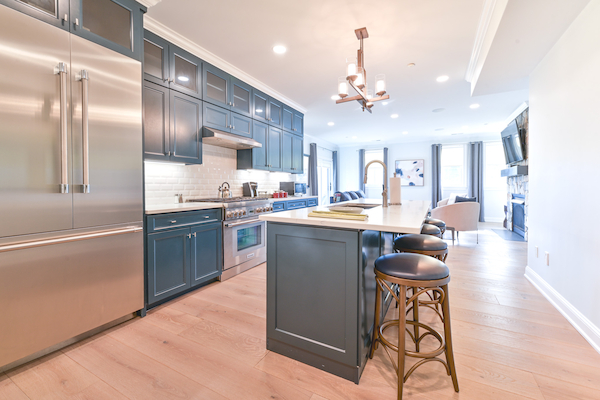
x=437, y=222
x=428, y=274
x=432, y=230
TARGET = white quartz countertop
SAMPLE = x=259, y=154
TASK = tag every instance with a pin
x=406, y=218
x=176, y=207
x=294, y=198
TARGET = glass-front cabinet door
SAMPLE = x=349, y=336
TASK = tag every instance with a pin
x=241, y=97
x=116, y=24
x=216, y=86
x=156, y=59
x=54, y=12
x=288, y=118
x=185, y=72
x=298, y=123
x=275, y=112
x=260, y=104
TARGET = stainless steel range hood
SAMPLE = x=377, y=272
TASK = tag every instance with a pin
x=225, y=139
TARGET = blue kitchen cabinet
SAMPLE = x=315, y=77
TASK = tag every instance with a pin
x=294, y=204
x=186, y=128
x=275, y=113
x=286, y=152
x=288, y=119
x=298, y=128
x=114, y=24
x=184, y=250
x=267, y=157
x=279, y=206
x=312, y=202
x=168, y=261
x=224, y=90
x=241, y=97
x=260, y=103
x=206, y=263
x=297, y=155
x=224, y=120
x=172, y=125
x=170, y=66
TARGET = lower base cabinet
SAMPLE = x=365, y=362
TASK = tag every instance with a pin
x=181, y=258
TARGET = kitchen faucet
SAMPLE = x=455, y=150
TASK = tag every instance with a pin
x=385, y=193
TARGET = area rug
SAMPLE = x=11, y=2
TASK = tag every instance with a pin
x=508, y=235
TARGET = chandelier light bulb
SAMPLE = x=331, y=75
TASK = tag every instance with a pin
x=351, y=68
x=360, y=82
x=369, y=96
x=380, y=84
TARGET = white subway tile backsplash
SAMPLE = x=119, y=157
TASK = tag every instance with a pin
x=164, y=180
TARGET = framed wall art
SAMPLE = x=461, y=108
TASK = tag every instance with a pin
x=410, y=172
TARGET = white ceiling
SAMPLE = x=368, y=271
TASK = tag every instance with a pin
x=438, y=36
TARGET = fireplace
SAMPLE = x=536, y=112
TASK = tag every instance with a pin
x=518, y=214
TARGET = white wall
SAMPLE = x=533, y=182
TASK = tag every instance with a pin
x=564, y=140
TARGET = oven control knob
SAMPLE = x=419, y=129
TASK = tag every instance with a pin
x=244, y=212
x=229, y=214
x=236, y=213
x=259, y=209
x=269, y=208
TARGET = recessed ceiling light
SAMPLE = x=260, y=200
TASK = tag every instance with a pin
x=474, y=106
x=411, y=65
x=385, y=103
x=353, y=137
x=279, y=49
x=438, y=110
x=183, y=78
x=335, y=97
x=442, y=78
x=330, y=124
x=394, y=115
x=405, y=133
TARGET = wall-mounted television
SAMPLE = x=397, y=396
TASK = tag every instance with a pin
x=514, y=144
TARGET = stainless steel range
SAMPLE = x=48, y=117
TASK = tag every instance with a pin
x=244, y=235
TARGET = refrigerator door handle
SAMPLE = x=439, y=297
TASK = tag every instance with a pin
x=61, y=71
x=84, y=78
x=70, y=238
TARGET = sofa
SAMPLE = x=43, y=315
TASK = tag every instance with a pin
x=461, y=216
x=349, y=195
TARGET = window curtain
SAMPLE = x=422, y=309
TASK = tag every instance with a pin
x=361, y=169
x=334, y=160
x=475, y=175
x=436, y=174
x=313, y=180
x=387, y=167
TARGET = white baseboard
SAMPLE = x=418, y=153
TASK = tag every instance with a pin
x=588, y=330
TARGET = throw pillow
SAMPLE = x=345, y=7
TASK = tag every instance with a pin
x=460, y=199
x=453, y=196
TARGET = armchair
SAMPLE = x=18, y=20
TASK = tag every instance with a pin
x=458, y=216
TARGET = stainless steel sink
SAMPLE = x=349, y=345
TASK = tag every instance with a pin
x=359, y=205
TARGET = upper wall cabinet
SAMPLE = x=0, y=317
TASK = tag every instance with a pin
x=226, y=91
x=293, y=121
x=170, y=66
x=260, y=103
x=275, y=113
x=115, y=24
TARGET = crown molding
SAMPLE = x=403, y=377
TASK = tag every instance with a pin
x=169, y=34
x=492, y=13
x=149, y=3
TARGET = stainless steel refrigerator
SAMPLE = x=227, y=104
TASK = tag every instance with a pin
x=71, y=240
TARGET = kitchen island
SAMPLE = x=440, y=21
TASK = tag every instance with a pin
x=321, y=281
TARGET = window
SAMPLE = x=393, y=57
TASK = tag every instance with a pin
x=374, y=185
x=454, y=167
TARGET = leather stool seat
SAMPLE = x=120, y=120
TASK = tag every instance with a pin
x=412, y=266
x=415, y=241
x=429, y=229
x=437, y=222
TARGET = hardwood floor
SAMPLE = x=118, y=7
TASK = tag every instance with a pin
x=509, y=342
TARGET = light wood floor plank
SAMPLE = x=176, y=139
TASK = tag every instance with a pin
x=54, y=376
x=171, y=319
x=136, y=375
x=554, y=389
x=10, y=391
x=222, y=373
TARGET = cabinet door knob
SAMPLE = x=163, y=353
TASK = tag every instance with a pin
x=194, y=234
x=173, y=221
x=189, y=235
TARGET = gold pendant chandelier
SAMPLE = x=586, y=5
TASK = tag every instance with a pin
x=356, y=76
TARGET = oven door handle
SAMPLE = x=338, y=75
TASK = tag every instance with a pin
x=231, y=225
